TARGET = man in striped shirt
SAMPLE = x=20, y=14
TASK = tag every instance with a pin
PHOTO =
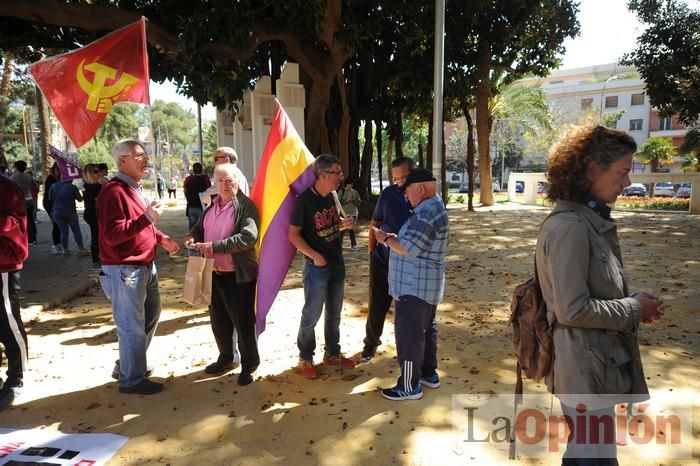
x=417, y=284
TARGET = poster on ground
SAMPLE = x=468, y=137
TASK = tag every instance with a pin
x=44, y=447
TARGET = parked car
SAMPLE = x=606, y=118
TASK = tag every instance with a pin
x=635, y=189
x=464, y=187
x=496, y=186
x=683, y=190
x=663, y=189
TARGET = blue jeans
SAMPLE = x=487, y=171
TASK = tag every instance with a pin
x=193, y=214
x=322, y=285
x=133, y=290
x=66, y=220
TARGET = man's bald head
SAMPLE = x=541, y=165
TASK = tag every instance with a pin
x=225, y=154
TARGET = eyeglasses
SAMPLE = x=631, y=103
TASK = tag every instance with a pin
x=339, y=172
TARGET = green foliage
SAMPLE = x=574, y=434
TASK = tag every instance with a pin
x=98, y=150
x=656, y=151
x=668, y=56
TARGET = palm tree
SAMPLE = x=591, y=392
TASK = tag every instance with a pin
x=656, y=152
x=518, y=110
x=690, y=150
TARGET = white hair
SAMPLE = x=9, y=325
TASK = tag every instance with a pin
x=123, y=147
x=229, y=152
x=231, y=170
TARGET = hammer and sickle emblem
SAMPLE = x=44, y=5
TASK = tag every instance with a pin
x=100, y=96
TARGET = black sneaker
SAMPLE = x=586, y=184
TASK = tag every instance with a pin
x=145, y=387
x=7, y=396
x=219, y=367
x=245, y=378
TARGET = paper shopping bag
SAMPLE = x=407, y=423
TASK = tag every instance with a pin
x=197, y=289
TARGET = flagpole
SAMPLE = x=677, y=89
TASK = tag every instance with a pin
x=438, y=90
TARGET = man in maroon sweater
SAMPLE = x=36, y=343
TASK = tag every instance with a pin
x=128, y=240
x=13, y=253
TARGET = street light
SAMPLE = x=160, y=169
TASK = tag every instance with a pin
x=602, y=94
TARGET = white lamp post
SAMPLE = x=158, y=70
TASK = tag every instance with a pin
x=602, y=94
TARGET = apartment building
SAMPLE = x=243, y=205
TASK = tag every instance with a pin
x=607, y=89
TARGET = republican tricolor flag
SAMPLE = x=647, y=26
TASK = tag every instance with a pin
x=286, y=170
x=81, y=86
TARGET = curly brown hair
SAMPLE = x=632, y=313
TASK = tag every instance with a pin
x=571, y=155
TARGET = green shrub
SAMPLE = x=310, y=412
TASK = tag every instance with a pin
x=652, y=203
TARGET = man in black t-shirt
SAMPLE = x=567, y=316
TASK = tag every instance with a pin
x=315, y=230
x=195, y=184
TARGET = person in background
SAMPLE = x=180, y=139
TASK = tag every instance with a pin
x=595, y=319
x=390, y=213
x=91, y=188
x=104, y=172
x=160, y=186
x=227, y=233
x=129, y=278
x=172, y=188
x=53, y=177
x=350, y=199
x=63, y=196
x=417, y=284
x=13, y=252
x=315, y=230
x=194, y=185
x=26, y=184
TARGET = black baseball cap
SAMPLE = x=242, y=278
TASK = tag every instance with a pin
x=418, y=175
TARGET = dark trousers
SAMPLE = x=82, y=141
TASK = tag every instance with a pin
x=94, y=238
x=233, y=306
x=416, y=340
x=12, y=333
x=55, y=233
x=31, y=226
x=171, y=193
x=379, y=302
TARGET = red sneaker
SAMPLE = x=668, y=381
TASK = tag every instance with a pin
x=306, y=369
x=339, y=360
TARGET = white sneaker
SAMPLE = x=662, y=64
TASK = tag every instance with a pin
x=57, y=249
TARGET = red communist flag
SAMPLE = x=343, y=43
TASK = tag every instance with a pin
x=81, y=86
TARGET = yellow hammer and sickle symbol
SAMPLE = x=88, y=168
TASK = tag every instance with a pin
x=101, y=97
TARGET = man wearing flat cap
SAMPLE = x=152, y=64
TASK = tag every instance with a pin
x=417, y=284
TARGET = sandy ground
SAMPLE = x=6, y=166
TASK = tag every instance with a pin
x=341, y=418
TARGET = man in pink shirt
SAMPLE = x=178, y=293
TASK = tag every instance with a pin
x=227, y=232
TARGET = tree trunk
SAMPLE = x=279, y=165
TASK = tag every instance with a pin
x=344, y=131
x=379, y=142
x=5, y=91
x=483, y=123
x=399, y=137
x=316, y=131
x=470, y=157
x=364, y=182
x=654, y=165
x=389, y=157
x=44, y=131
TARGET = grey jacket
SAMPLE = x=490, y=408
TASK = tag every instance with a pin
x=596, y=349
x=241, y=244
